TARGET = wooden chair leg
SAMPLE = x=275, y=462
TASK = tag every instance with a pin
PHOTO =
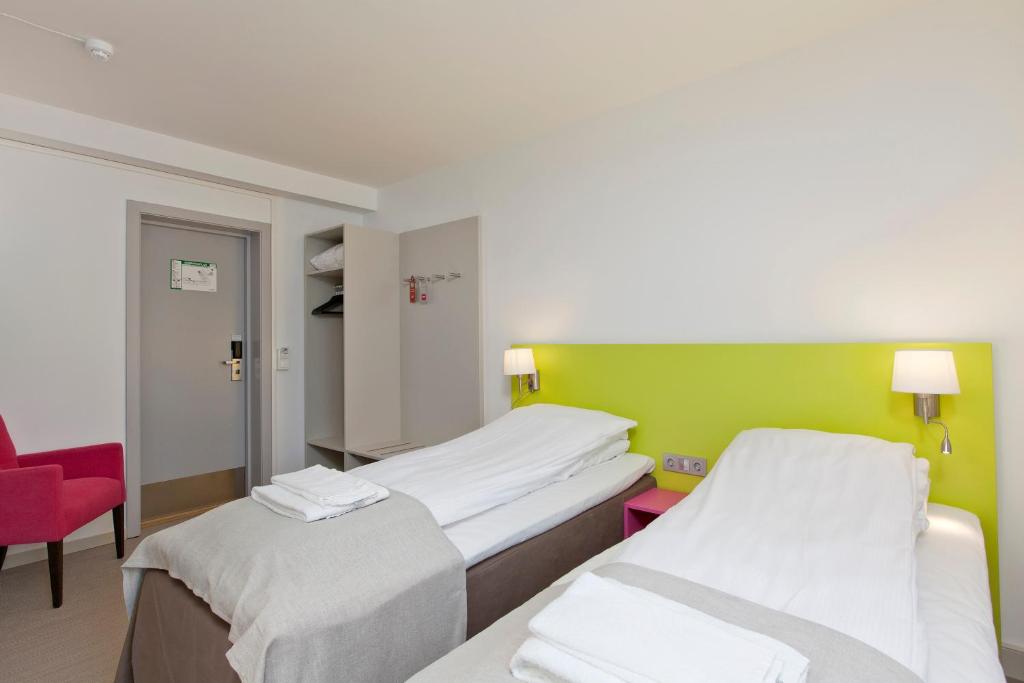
x=55, y=556
x=119, y=530
x=3, y=555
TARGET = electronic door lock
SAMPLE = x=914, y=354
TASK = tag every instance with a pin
x=236, y=369
x=235, y=363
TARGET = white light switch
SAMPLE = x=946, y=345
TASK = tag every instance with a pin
x=283, y=358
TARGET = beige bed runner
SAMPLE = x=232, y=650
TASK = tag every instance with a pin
x=834, y=657
x=373, y=595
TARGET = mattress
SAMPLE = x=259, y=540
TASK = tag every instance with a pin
x=954, y=600
x=953, y=597
x=494, y=530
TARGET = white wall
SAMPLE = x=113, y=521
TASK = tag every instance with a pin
x=26, y=121
x=62, y=245
x=868, y=188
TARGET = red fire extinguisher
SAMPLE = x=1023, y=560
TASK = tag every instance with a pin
x=412, y=289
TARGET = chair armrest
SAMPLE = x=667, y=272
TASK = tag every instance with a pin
x=31, y=504
x=98, y=460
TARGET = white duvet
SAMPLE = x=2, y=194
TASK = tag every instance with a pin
x=813, y=524
x=512, y=456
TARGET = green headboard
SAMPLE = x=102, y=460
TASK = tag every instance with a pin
x=694, y=398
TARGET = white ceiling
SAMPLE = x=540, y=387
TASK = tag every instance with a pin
x=374, y=91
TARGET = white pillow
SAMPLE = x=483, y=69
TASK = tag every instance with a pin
x=520, y=452
x=922, y=486
x=329, y=259
x=613, y=448
x=595, y=425
x=608, y=434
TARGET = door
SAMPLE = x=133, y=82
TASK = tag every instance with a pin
x=192, y=395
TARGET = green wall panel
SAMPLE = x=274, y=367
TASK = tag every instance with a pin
x=693, y=399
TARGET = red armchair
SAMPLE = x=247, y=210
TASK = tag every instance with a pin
x=46, y=496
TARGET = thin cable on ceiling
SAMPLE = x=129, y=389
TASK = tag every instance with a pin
x=71, y=36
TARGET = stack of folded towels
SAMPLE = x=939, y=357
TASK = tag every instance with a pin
x=604, y=631
x=317, y=493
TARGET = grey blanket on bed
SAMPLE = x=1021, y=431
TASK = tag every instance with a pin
x=372, y=595
x=834, y=657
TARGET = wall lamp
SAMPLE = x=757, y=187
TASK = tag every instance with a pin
x=519, y=363
x=927, y=374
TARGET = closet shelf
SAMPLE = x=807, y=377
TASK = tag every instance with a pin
x=333, y=275
x=331, y=443
x=384, y=450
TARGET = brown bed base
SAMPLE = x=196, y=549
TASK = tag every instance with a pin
x=174, y=636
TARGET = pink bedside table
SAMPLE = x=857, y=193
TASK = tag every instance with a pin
x=641, y=510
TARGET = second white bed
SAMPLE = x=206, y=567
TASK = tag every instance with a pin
x=953, y=597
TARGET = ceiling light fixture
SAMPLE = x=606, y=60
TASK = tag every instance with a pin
x=98, y=49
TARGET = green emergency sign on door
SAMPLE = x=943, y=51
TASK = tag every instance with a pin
x=193, y=276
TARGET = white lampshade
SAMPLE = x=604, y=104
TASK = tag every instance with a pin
x=925, y=371
x=519, y=362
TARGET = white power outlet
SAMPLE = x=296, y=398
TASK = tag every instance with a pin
x=684, y=464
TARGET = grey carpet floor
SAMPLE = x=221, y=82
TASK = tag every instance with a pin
x=79, y=642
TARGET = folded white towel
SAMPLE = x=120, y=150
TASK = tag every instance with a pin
x=539, y=662
x=284, y=502
x=602, y=630
x=327, y=487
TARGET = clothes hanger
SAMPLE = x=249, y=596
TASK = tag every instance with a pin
x=333, y=306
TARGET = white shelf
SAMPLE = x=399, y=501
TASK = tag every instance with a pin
x=336, y=274
x=331, y=443
x=335, y=234
x=382, y=451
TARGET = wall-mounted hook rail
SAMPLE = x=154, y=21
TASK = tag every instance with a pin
x=435, y=277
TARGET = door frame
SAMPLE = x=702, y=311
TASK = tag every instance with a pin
x=259, y=337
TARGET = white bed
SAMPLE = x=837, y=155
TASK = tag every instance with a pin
x=490, y=532
x=953, y=596
x=954, y=599
x=827, y=528
x=516, y=478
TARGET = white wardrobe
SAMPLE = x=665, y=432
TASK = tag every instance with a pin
x=356, y=369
